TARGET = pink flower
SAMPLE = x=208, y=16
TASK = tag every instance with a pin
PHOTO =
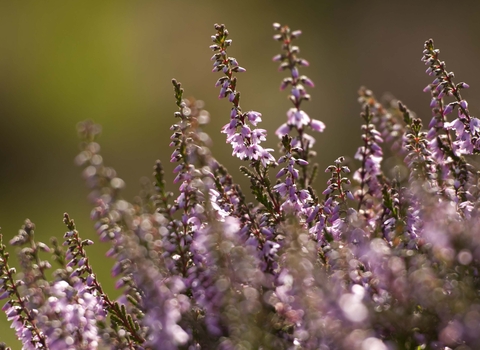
x=317, y=125
x=297, y=118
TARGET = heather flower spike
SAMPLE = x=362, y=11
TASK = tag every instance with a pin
x=465, y=126
x=83, y=272
x=327, y=219
x=297, y=118
x=369, y=174
x=16, y=306
x=387, y=119
x=244, y=139
x=388, y=263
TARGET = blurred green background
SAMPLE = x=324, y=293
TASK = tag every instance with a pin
x=112, y=61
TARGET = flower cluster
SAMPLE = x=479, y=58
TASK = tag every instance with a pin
x=380, y=258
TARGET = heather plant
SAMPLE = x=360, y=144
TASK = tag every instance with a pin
x=377, y=258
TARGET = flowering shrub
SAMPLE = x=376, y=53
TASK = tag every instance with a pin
x=384, y=259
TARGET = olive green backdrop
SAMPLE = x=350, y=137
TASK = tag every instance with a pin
x=112, y=61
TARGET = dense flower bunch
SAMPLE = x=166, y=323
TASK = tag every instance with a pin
x=378, y=259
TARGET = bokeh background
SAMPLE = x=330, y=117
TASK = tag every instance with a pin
x=112, y=61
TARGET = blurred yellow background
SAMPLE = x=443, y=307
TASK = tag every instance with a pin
x=112, y=61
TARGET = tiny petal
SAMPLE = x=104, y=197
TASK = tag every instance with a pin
x=281, y=173
x=317, y=125
x=4, y=295
x=277, y=58
x=295, y=72
x=284, y=129
x=284, y=84
x=449, y=108
x=302, y=162
x=239, y=69
x=303, y=62
x=254, y=117
x=308, y=82
x=296, y=33
x=328, y=190
x=278, y=37
x=475, y=125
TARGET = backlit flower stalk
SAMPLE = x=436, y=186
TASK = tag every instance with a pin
x=16, y=308
x=295, y=199
x=113, y=220
x=244, y=140
x=419, y=158
x=123, y=331
x=297, y=119
x=452, y=173
x=63, y=323
x=399, y=219
x=437, y=134
x=34, y=268
x=326, y=219
x=369, y=174
x=190, y=203
x=387, y=120
x=466, y=127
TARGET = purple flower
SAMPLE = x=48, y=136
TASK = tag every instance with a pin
x=317, y=125
x=254, y=117
x=284, y=129
x=449, y=108
x=297, y=118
